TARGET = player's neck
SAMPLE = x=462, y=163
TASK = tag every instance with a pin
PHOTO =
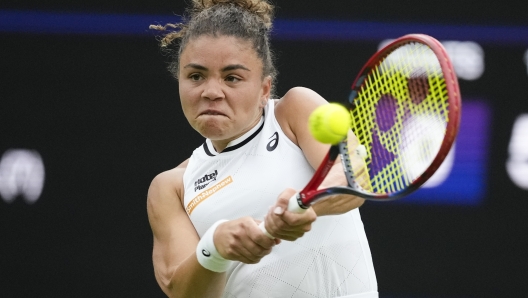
x=221, y=145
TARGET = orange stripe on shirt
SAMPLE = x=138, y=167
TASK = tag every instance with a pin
x=206, y=194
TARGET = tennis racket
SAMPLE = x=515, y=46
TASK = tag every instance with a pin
x=405, y=108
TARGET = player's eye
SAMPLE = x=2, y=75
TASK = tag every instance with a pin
x=232, y=79
x=195, y=77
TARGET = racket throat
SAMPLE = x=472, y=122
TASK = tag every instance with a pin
x=296, y=202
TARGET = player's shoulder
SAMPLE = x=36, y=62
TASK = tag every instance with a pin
x=296, y=100
x=168, y=183
x=294, y=108
x=299, y=96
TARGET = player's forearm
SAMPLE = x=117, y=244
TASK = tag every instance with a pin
x=337, y=204
x=190, y=279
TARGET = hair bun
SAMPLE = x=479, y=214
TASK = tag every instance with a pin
x=261, y=8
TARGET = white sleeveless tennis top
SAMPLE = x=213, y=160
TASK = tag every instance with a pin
x=332, y=260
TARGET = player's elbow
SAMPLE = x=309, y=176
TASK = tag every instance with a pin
x=165, y=281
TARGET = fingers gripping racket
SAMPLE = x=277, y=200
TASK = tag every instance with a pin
x=405, y=109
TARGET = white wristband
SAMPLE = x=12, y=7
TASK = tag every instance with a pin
x=207, y=254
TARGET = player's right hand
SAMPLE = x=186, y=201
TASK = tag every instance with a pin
x=242, y=240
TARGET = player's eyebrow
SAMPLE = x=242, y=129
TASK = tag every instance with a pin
x=196, y=66
x=234, y=66
x=226, y=68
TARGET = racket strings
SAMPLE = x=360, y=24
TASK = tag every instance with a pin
x=355, y=169
x=400, y=115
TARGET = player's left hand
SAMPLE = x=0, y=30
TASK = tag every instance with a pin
x=283, y=224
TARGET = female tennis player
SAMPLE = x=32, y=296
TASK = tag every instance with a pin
x=257, y=152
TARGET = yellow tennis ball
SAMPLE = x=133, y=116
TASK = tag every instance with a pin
x=330, y=123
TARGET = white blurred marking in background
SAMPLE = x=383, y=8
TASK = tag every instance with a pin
x=418, y=153
x=21, y=174
x=467, y=57
x=517, y=164
x=443, y=171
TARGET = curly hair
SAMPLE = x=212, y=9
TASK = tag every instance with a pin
x=249, y=20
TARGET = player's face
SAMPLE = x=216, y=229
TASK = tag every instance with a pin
x=222, y=91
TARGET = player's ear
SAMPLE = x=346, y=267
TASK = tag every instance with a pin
x=266, y=90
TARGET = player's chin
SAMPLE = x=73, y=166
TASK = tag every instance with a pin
x=212, y=128
x=207, y=121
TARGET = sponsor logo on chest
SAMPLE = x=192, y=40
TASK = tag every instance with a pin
x=205, y=180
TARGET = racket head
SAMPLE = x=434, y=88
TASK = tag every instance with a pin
x=405, y=105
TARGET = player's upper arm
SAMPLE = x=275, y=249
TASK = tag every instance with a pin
x=174, y=235
x=292, y=113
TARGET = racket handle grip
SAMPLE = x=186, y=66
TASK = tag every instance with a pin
x=293, y=206
x=262, y=227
